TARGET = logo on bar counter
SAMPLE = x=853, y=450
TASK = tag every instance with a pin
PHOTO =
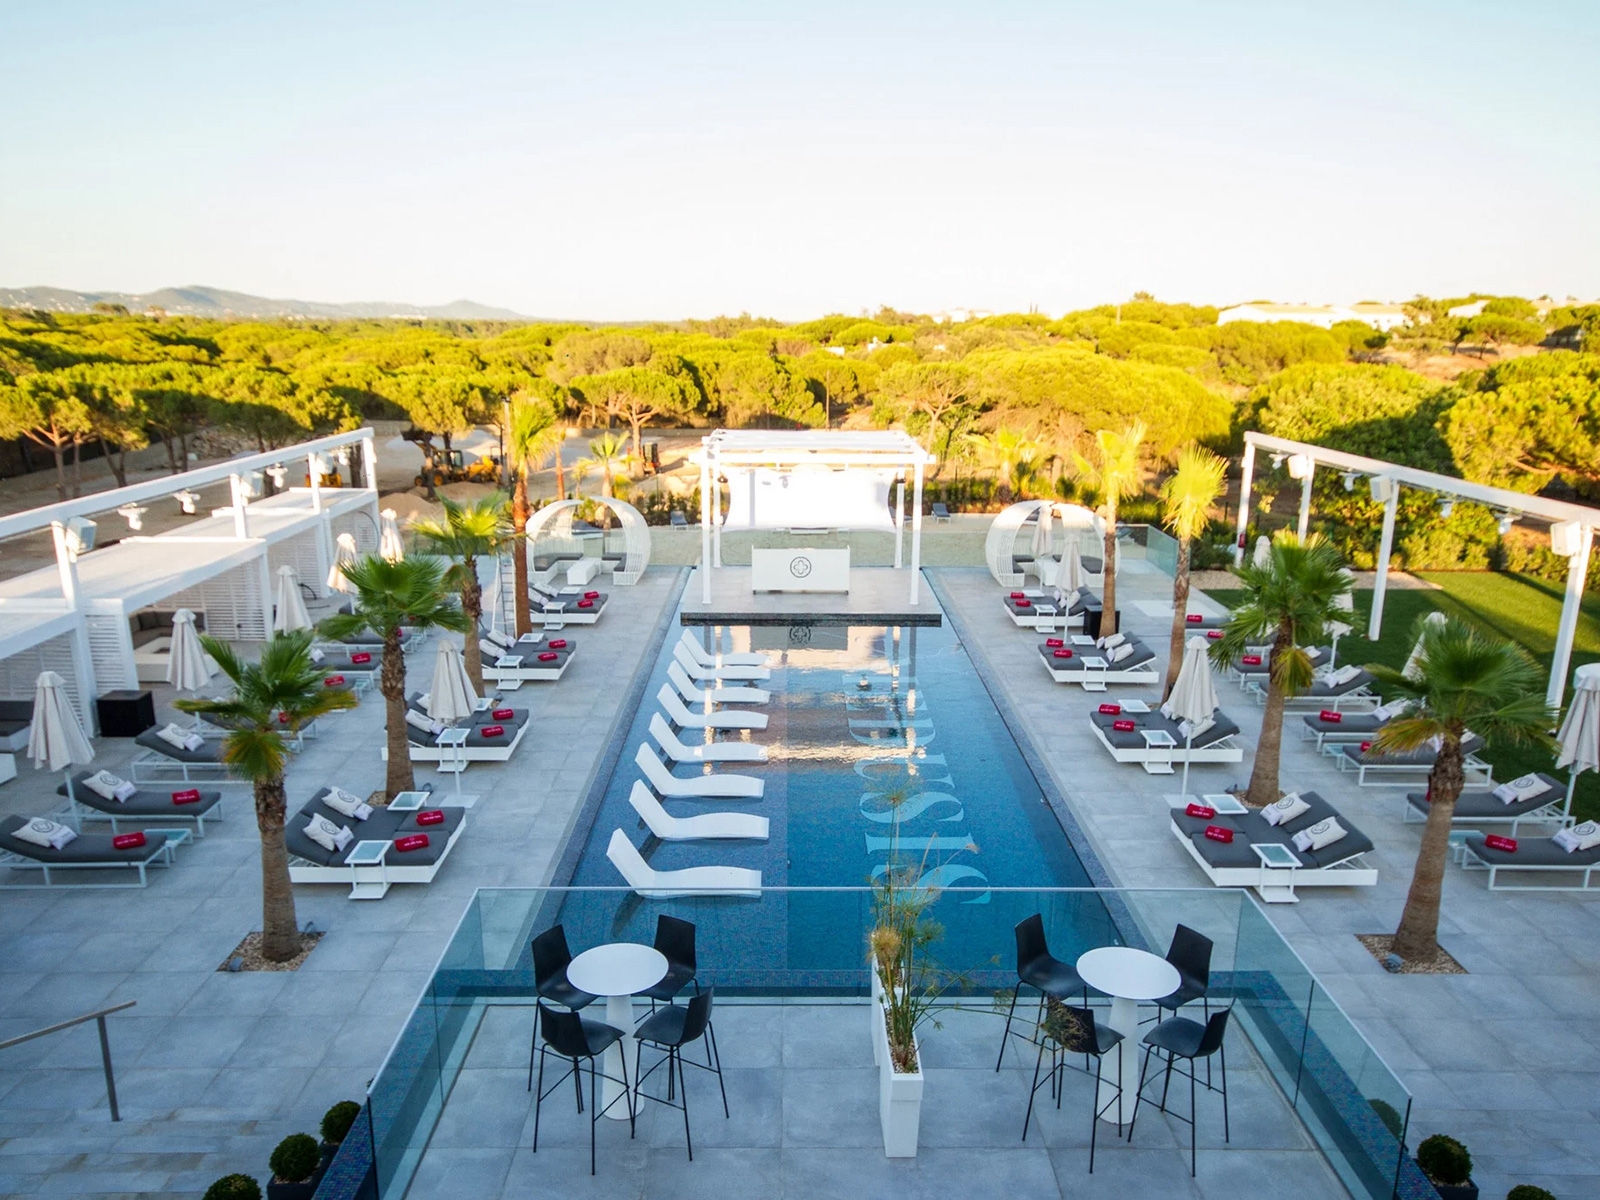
x=799, y=566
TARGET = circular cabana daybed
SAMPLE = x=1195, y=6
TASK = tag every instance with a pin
x=1008, y=562
x=625, y=550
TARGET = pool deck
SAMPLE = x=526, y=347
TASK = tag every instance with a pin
x=877, y=596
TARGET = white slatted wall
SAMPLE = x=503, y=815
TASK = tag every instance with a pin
x=19, y=674
x=231, y=602
x=299, y=552
x=359, y=524
x=108, y=641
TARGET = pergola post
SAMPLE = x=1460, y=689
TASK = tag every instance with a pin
x=369, y=464
x=1577, y=575
x=1303, y=526
x=916, y=532
x=716, y=514
x=705, y=522
x=313, y=461
x=1380, y=584
x=65, y=563
x=900, y=522
x=1246, y=474
x=241, y=500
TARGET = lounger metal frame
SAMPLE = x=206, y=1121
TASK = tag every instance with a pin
x=1277, y=886
x=1477, y=773
x=1471, y=861
x=303, y=870
x=153, y=767
x=1095, y=679
x=1223, y=750
x=83, y=812
x=162, y=856
x=1552, y=812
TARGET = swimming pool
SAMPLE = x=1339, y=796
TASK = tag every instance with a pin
x=860, y=717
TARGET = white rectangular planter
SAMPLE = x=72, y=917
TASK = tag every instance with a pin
x=899, y=1094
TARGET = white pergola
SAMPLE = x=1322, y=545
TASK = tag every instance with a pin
x=892, y=451
x=1572, y=526
x=555, y=520
x=1000, y=543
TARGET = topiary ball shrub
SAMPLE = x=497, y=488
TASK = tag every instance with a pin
x=234, y=1187
x=296, y=1158
x=1444, y=1160
x=337, y=1120
x=1526, y=1191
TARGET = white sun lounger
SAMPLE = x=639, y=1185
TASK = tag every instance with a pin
x=705, y=752
x=691, y=881
x=708, y=660
x=694, y=693
x=718, y=674
x=705, y=826
x=736, y=718
x=746, y=787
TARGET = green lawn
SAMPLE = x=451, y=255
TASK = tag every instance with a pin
x=1518, y=607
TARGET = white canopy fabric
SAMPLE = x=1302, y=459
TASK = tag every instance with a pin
x=1194, y=694
x=1413, y=667
x=390, y=546
x=1579, y=737
x=187, y=667
x=808, y=498
x=1263, y=551
x=1069, y=578
x=344, y=554
x=999, y=546
x=451, y=696
x=56, y=740
x=1044, y=540
x=291, y=610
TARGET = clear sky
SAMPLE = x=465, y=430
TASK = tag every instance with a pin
x=619, y=161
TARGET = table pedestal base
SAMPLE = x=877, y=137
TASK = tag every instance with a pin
x=1125, y=1020
x=619, y=1014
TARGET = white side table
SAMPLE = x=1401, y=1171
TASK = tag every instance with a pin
x=1127, y=976
x=8, y=767
x=1279, y=860
x=368, y=870
x=618, y=971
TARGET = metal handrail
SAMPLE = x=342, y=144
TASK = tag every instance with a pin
x=99, y=1017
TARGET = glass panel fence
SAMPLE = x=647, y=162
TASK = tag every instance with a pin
x=799, y=945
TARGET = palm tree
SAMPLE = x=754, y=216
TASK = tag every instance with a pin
x=532, y=440
x=1010, y=454
x=1186, y=500
x=283, y=681
x=389, y=595
x=1466, y=679
x=1289, y=603
x=1113, y=472
x=608, y=450
x=467, y=533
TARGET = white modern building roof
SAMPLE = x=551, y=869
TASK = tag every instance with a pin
x=1325, y=316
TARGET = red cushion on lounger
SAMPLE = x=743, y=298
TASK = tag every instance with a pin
x=1365, y=746
x=128, y=841
x=434, y=816
x=549, y=656
x=503, y=714
x=591, y=595
x=1024, y=603
x=1193, y=618
x=283, y=718
x=557, y=644
x=333, y=681
x=1495, y=842
x=361, y=656
x=1204, y=811
x=1218, y=834
x=412, y=841
x=1063, y=652
x=490, y=731
x=1111, y=709
x=1124, y=726
x=1328, y=714
x=1251, y=660
x=1214, y=634
x=1055, y=642
x=585, y=603
x=1018, y=595
x=188, y=796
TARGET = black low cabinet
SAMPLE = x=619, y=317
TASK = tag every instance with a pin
x=1091, y=621
x=125, y=714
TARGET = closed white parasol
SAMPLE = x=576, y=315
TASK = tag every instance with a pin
x=451, y=697
x=1580, y=732
x=188, y=668
x=1263, y=551
x=1069, y=578
x=291, y=614
x=1194, y=695
x=344, y=554
x=56, y=741
x=389, y=544
x=1413, y=667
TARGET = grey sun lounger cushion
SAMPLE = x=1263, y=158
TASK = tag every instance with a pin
x=85, y=848
x=519, y=716
x=1222, y=727
x=475, y=738
x=1240, y=668
x=1532, y=852
x=1424, y=757
x=1252, y=828
x=1255, y=825
x=1322, y=689
x=1353, y=723
x=145, y=802
x=1487, y=806
x=1141, y=655
x=381, y=826
x=211, y=752
x=567, y=604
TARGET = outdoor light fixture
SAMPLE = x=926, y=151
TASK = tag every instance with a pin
x=342, y=454
x=1447, y=505
x=1301, y=466
x=1566, y=538
x=252, y=484
x=133, y=514
x=1381, y=488
x=318, y=465
x=80, y=533
x=1277, y=461
x=1350, y=478
x=1507, y=520
x=186, y=501
x=279, y=473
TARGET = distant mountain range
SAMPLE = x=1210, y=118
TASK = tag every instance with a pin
x=213, y=302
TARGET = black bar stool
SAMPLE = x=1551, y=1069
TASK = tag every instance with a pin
x=569, y=1036
x=550, y=960
x=1179, y=1037
x=1049, y=976
x=1069, y=1030
x=671, y=1029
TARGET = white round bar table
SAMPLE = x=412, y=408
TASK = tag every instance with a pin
x=617, y=971
x=1127, y=976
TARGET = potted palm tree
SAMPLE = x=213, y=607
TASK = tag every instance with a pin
x=282, y=691
x=1289, y=603
x=1186, y=500
x=1114, y=472
x=467, y=533
x=533, y=439
x=391, y=596
x=1463, y=679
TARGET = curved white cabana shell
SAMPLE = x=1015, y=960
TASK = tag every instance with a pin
x=555, y=521
x=1000, y=546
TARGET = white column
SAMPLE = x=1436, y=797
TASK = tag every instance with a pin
x=1561, y=659
x=1304, y=524
x=916, y=534
x=369, y=463
x=1246, y=473
x=241, y=501
x=265, y=575
x=716, y=515
x=65, y=564
x=315, y=476
x=705, y=527
x=88, y=686
x=900, y=522
x=1380, y=585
